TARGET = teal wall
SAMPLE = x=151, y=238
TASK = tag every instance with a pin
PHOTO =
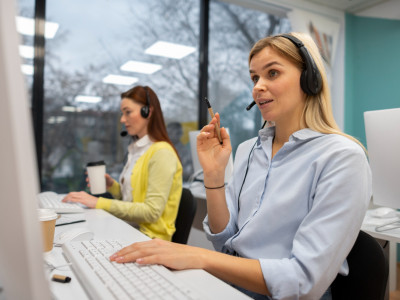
x=372, y=69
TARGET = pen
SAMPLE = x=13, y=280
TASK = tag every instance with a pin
x=210, y=110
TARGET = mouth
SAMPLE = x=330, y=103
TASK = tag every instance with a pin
x=263, y=102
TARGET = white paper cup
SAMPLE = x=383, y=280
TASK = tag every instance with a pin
x=97, y=180
x=47, y=218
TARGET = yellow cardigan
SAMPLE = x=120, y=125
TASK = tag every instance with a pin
x=156, y=192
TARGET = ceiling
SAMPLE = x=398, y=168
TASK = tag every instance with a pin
x=388, y=9
x=352, y=6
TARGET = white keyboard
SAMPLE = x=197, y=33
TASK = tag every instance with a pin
x=52, y=200
x=103, y=279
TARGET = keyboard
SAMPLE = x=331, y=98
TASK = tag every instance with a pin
x=52, y=200
x=103, y=279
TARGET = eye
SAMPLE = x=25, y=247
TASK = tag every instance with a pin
x=254, y=79
x=273, y=73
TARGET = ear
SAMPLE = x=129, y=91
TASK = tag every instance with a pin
x=150, y=112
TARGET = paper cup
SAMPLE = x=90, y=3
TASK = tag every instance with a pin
x=47, y=218
x=97, y=180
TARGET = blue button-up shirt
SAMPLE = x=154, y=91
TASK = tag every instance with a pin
x=298, y=213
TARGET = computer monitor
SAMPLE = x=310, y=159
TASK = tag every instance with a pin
x=22, y=274
x=195, y=159
x=382, y=128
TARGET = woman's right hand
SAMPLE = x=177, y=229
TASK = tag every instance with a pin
x=213, y=156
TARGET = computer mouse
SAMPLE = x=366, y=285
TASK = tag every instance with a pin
x=74, y=234
x=384, y=212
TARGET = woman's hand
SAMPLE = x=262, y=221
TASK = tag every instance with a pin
x=157, y=251
x=81, y=197
x=109, y=181
x=213, y=156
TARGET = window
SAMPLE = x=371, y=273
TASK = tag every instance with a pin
x=25, y=26
x=99, y=41
x=233, y=31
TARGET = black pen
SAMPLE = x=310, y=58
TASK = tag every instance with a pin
x=210, y=110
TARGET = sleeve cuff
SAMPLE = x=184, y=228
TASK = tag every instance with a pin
x=280, y=277
x=103, y=203
x=218, y=239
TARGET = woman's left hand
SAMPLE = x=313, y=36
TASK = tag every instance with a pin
x=157, y=251
x=81, y=197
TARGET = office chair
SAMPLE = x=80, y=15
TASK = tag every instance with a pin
x=185, y=217
x=368, y=272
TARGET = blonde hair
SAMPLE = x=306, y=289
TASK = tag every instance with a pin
x=317, y=114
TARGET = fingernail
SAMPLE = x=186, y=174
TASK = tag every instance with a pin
x=120, y=258
x=139, y=260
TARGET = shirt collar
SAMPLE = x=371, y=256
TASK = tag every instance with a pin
x=302, y=134
x=144, y=141
x=140, y=143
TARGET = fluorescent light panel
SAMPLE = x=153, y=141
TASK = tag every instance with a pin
x=56, y=120
x=27, y=69
x=169, y=50
x=121, y=80
x=26, y=26
x=140, y=67
x=71, y=109
x=26, y=51
x=87, y=99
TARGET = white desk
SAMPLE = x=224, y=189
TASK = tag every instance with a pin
x=106, y=226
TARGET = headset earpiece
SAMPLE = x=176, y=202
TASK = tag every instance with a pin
x=310, y=79
x=145, y=110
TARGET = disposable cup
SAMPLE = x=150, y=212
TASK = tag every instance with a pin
x=97, y=180
x=47, y=218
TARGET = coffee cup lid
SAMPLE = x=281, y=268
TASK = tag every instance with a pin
x=46, y=214
x=95, y=163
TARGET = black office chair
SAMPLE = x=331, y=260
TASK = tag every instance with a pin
x=368, y=272
x=185, y=217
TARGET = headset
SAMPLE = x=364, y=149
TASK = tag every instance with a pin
x=247, y=167
x=310, y=79
x=145, y=110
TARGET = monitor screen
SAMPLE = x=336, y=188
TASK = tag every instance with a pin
x=22, y=274
x=382, y=129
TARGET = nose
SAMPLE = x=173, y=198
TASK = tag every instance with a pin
x=260, y=85
x=122, y=119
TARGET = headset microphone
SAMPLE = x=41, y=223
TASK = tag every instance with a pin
x=123, y=133
x=251, y=105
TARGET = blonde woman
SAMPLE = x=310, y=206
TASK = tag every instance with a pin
x=288, y=218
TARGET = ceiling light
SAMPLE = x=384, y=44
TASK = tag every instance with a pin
x=26, y=26
x=71, y=109
x=26, y=51
x=169, y=50
x=87, y=99
x=118, y=79
x=56, y=120
x=140, y=67
x=27, y=69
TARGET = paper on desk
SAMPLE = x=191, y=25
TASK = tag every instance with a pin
x=70, y=219
x=368, y=220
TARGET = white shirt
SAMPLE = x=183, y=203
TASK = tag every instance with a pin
x=135, y=150
x=300, y=212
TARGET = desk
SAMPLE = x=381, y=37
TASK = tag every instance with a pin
x=106, y=226
x=393, y=237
